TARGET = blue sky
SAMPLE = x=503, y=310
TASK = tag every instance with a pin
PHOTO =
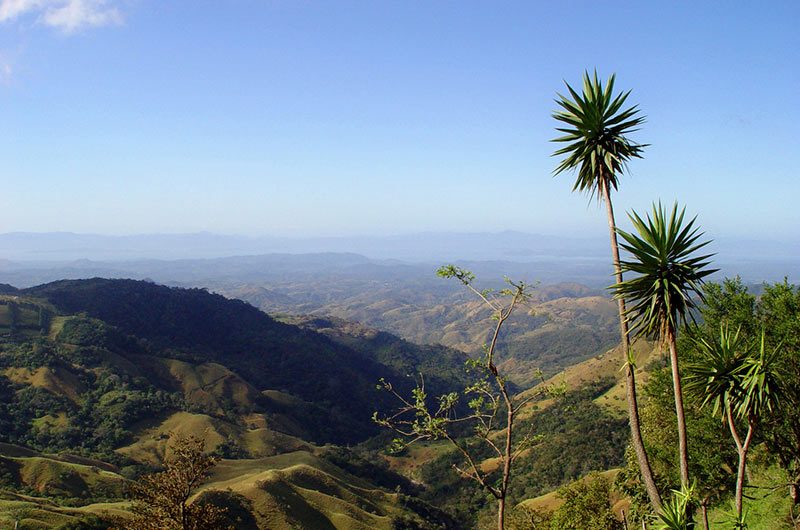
x=342, y=118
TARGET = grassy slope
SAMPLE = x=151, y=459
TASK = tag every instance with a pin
x=411, y=462
x=603, y=366
x=766, y=502
x=33, y=513
x=46, y=477
x=289, y=489
x=551, y=501
x=153, y=437
x=299, y=489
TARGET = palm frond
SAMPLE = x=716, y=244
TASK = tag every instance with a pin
x=718, y=375
x=761, y=382
x=667, y=274
x=595, y=129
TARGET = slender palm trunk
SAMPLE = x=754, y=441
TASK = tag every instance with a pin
x=704, y=508
x=742, y=447
x=683, y=450
x=742, y=467
x=630, y=373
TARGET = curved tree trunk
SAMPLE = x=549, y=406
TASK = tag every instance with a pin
x=742, y=467
x=704, y=509
x=630, y=373
x=683, y=450
x=742, y=447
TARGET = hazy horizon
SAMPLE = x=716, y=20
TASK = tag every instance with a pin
x=419, y=246
x=201, y=259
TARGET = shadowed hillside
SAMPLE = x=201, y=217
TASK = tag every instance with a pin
x=197, y=327
x=565, y=323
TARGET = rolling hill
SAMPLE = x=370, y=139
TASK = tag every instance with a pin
x=243, y=345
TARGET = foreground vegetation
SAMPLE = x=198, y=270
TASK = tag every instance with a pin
x=718, y=462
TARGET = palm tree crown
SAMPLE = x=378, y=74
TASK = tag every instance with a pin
x=668, y=275
x=733, y=378
x=762, y=385
x=668, y=272
x=718, y=376
x=595, y=129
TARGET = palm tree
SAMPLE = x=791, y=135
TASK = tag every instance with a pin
x=668, y=274
x=595, y=132
x=716, y=378
x=741, y=386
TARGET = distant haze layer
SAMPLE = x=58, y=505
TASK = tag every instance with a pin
x=428, y=246
x=418, y=247
x=29, y=258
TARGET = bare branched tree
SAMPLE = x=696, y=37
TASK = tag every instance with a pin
x=490, y=410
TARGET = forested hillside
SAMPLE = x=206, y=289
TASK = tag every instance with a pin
x=194, y=326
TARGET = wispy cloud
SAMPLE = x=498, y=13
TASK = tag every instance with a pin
x=7, y=62
x=68, y=16
x=6, y=73
x=11, y=9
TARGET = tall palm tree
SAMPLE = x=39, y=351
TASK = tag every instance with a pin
x=741, y=386
x=668, y=277
x=595, y=129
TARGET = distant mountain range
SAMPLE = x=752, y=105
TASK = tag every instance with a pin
x=32, y=258
x=428, y=246
x=424, y=246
